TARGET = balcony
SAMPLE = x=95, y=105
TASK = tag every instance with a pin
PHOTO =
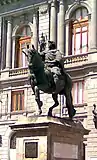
x=18, y=71
x=75, y=60
x=69, y=61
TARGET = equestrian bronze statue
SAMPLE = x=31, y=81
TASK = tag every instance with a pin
x=48, y=75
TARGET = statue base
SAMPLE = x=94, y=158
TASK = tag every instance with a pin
x=48, y=138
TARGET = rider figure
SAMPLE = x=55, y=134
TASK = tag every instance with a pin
x=54, y=63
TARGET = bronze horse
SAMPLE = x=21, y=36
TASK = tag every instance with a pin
x=41, y=79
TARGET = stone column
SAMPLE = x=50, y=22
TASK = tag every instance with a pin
x=93, y=36
x=8, y=47
x=61, y=18
x=0, y=41
x=9, y=102
x=35, y=31
x=3, y=49
x=53, y=21
x=13, y=52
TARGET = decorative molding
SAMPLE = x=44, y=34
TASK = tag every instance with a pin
x=4, y=2
x=23, y=18
x=43, y=9
x=78, y=1
x=74, y=6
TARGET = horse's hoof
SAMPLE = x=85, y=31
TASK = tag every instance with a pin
x=73, y=114
x=50, y=113
x=40, y=112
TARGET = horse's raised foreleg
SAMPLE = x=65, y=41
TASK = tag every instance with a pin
x=55, y=98
x=69, y=104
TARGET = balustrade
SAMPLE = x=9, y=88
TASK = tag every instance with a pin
x=72, y=59
x=18, y=71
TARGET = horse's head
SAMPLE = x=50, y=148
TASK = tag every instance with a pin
x=34, y=59
x=31, y=54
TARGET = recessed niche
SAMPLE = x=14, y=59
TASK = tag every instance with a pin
x=31, y=149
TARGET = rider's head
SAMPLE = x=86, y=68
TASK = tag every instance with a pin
x=51, y=45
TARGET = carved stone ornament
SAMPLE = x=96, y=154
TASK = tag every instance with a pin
x=43, y=9
x=3, y=2
x=23, y=18
x=77, y=1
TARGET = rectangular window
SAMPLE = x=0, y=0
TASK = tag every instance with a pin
x=78, y=91
x=17, y=100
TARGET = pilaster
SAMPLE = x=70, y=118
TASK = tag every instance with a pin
x=8, y=48
x=0, y=41
x=13, y=52
x=35, y=30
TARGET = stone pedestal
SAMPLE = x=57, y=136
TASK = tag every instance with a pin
x=46, y=138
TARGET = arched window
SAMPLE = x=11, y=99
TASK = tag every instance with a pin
x=78, y=42
x=23, y=38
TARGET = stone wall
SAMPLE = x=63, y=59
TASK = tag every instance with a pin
x=92, y=98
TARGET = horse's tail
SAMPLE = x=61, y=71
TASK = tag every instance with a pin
x=68, y=81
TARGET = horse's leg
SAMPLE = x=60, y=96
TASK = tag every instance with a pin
x=37, y=95
x=37, y=98
x=69, y=104
x=55, y=98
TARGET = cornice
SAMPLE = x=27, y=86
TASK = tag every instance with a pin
x=19, y=6
x=3, y=2
x=83, y=71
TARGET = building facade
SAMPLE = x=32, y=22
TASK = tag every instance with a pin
x=72, y=24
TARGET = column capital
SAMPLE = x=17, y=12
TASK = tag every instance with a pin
x=61, y=6
x=13, y=37
x=35, y=12
x=53, y=3
x=9, y=19
x=61, y=1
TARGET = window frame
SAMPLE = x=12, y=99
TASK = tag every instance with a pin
x=76, y=101
x=17, y=100
x=73, y=25
x=23, y=40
